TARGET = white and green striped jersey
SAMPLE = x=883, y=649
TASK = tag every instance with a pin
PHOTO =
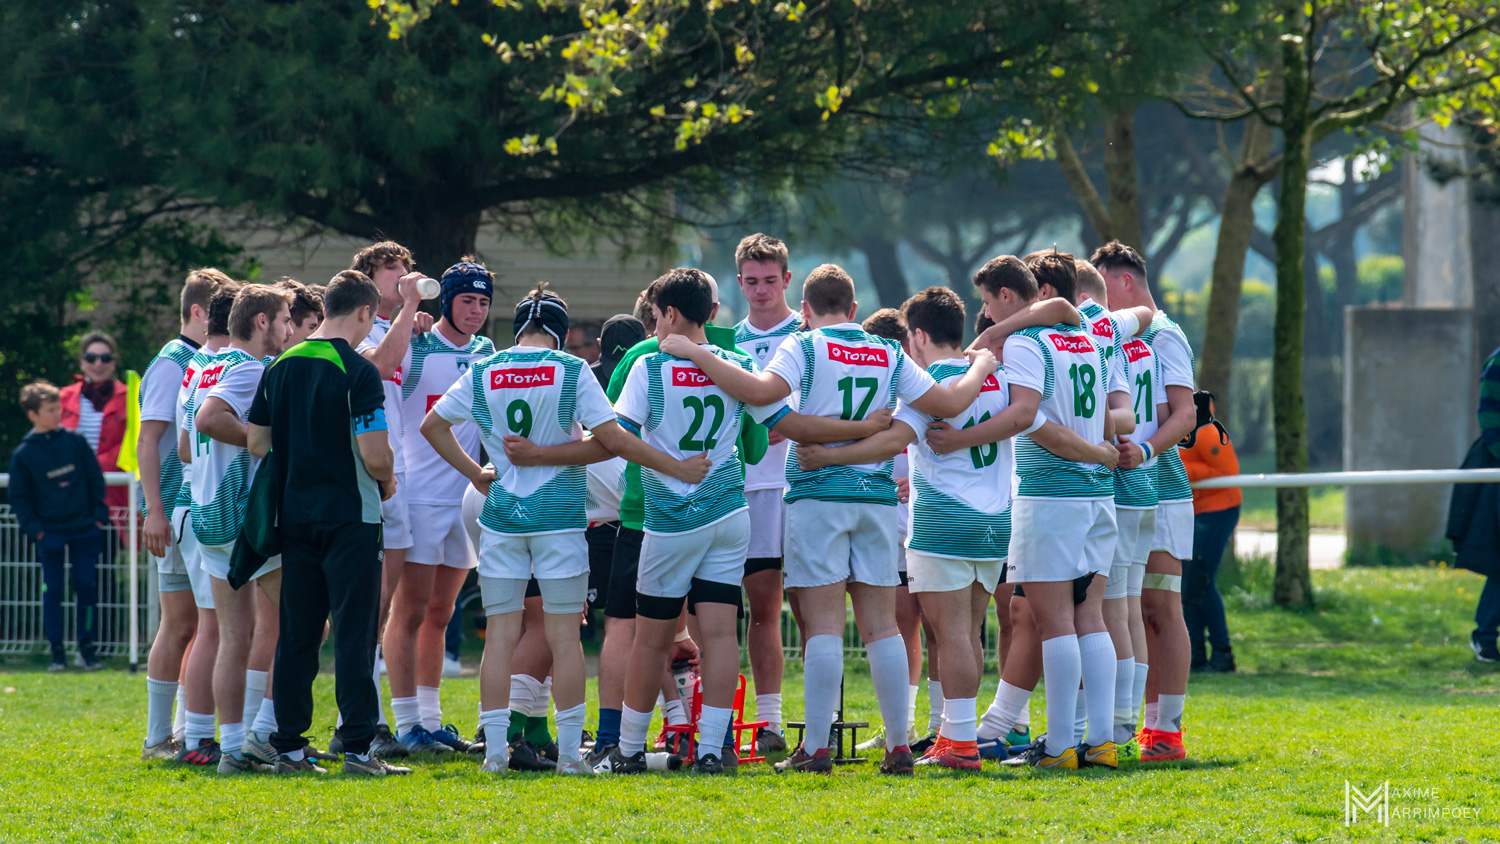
x=1131, y=370
x=843, y=373
x=1068, y=370
x=436, y=365
x=222, y=472
x=770, y=472
x=1175, y=361
x=185, y=391
x=538, y=394
x=678, y=410
x=961, y=501
x=157, y=402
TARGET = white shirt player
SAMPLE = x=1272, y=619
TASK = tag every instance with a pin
x=436, y=365
x=1175, y=358
x=677, y=410
x=395, y=429
x=223, y=472
x=957, y=498
x=841, y=372
x=1068, y=370
x=543, y=395
x=158, y=403
x=770, y=472
x=185, y=392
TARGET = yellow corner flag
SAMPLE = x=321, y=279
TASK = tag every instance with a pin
x=127, y=461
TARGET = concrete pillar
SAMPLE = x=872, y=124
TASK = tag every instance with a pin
x=1409, y=403
x=1435, y=226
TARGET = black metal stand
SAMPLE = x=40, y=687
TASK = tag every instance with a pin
x=836, y=735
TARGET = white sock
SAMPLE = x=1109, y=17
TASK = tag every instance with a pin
x=633, y=726
x=197, y=727
x=179, y=718
x=911, y=708
x=960, y=719
x=1151, y=710
x=934, y=705
x=1124, y=677
x=822, y=676
x=255, y=692
x=160, y=695
x=544, y=700
x=265, y=720
x=296, y=755
x=430, y=708
x=496, y=722
x=1010, y=701
x=1169, y=712
x=768, y=709
x=1081, y=716
x=408, y=713
x=713, y=725
x=1023, y=717
x=520, y=695
x=569, y=731
x=673, y=713
x=232, y=739
x=1096, y=653
x=888, y=671
x=379, y=705
x=1062, y=669
x=1138, y=689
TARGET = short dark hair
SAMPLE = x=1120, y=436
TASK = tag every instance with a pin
x=305, y=301
x=1117, y=256
x=982, y=322
x=687, y=290
x=828, y=290
x=887, y=323
x=349, y=291
x=1007, y=271
x=760, y=247
x=199, y=289
x=252, y=301
x=220, y=306
x=380, y=255
x=1057, y=269
x=96, y=336
x=1090, y=282
x=38, y=393
x=937, y=311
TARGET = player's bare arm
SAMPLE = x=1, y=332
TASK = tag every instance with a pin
x=379, y=460
x=690, y=470
x=1177, y=422
x=952, y=399
x=877, y=448
x=759, y=389
x=257, y=440
x=944, y=438
x=1054, y=311
x=184, y=447
x=1121, y=412
x=439, y=432
x=156, y=535
x=805, y=429
x=388, y=355
x=217, y=420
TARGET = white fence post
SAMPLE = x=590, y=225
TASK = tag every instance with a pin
x=133, y=543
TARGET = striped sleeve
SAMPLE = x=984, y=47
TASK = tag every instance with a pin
x=1489, y=404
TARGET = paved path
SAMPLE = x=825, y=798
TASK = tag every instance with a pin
x=1326, y=552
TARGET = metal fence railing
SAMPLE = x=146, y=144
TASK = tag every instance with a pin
x=127, y=609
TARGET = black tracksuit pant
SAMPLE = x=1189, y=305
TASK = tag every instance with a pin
x=328, y=567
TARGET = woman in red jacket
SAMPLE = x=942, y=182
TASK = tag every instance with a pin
x=95, y=405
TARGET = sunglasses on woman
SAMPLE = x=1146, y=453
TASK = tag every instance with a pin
x=90, y=357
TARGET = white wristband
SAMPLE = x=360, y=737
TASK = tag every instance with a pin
x=1146, y=453
x=682, y=635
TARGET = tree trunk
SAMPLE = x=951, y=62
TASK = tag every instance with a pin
x=1120, y=178
x=1236, y=222
x=438, y=241
x=885, y=270
x=1083, y=187
x=1293, y=586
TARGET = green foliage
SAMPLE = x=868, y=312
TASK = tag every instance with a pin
x=1381, y=278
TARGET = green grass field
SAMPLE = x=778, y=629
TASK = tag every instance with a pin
x=1376, y=685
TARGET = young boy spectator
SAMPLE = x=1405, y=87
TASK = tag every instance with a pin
x=57, y=493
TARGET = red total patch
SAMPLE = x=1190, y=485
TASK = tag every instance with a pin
x=858, y=356
x=521, y=378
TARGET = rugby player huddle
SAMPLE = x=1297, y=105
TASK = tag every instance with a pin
x=699, y=467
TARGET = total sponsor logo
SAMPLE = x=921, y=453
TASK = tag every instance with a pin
x=396, y=376
x=859, y=356
x=1076, y=344
x=990, y=385
x=432, y=400
x=690, y=376
x=1104, y=328
x=211, y=376
x=1136, y=349
x=187, y=377
x=522, y=378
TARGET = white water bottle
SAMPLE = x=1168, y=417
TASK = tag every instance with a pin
x=428, y=288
